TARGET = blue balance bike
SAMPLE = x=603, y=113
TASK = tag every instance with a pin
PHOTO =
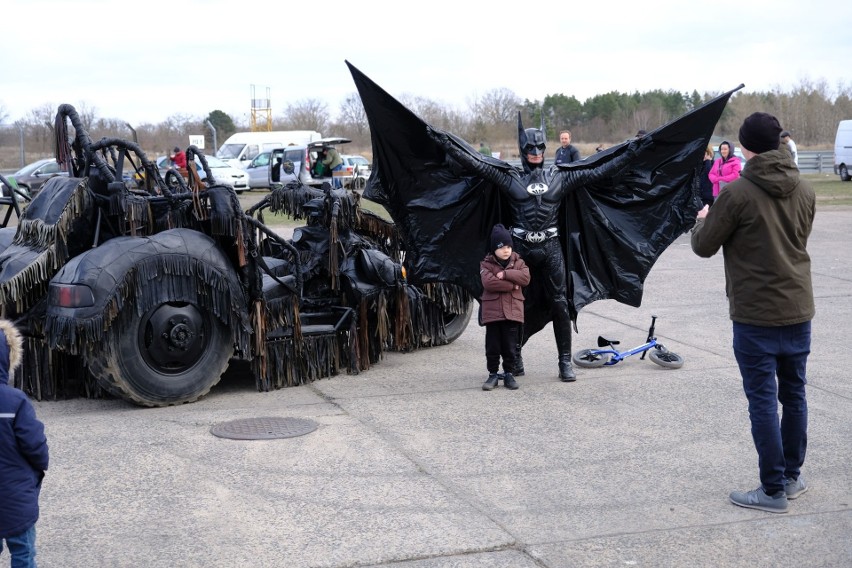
x=607, y=354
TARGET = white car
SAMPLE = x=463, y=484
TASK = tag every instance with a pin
x=223, y=174
x=359, y=168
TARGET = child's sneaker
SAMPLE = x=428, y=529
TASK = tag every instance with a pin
x=491, y=382
x=758, y=499
x=509, y=381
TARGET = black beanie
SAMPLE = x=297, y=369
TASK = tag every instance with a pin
x=760, y=132
x=500, y=237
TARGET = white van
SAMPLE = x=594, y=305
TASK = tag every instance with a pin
x=843, y=150
x=242, y=147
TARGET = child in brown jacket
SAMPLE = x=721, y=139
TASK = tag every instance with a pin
x=504, y=274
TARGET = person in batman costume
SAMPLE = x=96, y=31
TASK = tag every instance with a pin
x=589, y=230
x=534, y=198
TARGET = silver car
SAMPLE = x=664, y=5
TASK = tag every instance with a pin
x=31, y=177
x=258, y=170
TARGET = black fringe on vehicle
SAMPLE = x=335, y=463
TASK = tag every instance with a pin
x=46, y=249
x=180, y=278
x=46, y=374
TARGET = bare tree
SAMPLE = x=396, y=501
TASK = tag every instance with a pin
x=307, y=114
x=436, y=114
x=497, y=107
x=352, y=115
x=87, y=115
x=40, y=127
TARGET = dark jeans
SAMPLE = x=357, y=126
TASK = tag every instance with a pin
x=22, y=548
x=501, y=340
x=762, y=354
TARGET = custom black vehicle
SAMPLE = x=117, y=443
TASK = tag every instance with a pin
x=146, y=287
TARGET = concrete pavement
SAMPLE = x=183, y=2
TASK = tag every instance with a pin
x=413, y=465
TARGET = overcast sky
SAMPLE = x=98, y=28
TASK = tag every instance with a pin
x=142, y=62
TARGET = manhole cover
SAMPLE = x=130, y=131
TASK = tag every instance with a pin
x=265, y=428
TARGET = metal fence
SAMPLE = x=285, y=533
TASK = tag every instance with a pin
x=816, y=162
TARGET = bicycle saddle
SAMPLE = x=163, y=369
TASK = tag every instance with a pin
x=603, y=341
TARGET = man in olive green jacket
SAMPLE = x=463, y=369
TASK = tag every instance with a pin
x=333, y=162
x=762, y=222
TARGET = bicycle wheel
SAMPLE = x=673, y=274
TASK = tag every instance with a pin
x=665, y=358
x=590, y=358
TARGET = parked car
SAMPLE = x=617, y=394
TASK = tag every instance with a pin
x=31, y=177
x=359, y=168
x=304, y=160
x=222, y=172
x=20, y=192
x=258, y=171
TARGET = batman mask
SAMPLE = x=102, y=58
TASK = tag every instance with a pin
x=530, y=141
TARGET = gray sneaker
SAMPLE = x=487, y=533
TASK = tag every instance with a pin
x=794, y=487
x=758, y=499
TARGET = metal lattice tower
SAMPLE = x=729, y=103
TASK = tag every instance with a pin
x=262, y=109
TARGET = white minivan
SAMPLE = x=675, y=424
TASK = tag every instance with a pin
x=843, y=150
x=242, y=147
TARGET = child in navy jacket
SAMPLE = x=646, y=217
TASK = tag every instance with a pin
x=23, y=456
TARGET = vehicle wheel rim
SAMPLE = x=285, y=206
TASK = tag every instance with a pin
x=173, y=337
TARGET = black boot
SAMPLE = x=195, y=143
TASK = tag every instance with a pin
x=566, y=370
x=519, y=366
x=509, y=381
x=491, y=382
x=562, y=330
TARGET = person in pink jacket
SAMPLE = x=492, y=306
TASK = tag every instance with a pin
x=725, y=169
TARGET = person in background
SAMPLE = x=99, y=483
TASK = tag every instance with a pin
x=333, y=163
x=276, y=169
x=484, y=149
x=504, y=275
x=706, y=187
x=725, y=169
x=23, y=456
x=178, y=158
x=786, y=139
x=762, y=223
x=566, y=153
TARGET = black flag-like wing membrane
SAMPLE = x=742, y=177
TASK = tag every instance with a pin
x=445, y=215
x=618, y=227
x=613, y=229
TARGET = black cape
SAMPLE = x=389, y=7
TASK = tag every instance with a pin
x=612, y=230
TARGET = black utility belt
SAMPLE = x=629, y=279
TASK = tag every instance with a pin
x=535, y=236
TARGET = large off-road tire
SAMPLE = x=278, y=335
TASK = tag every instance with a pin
x=455, y=324
x=174, y=353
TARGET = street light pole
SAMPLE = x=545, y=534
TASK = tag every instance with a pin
x=23, y=154
x=213, y=130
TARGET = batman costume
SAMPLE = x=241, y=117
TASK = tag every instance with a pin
x=589, y=230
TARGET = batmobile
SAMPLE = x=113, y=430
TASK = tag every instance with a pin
x=145, y=287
